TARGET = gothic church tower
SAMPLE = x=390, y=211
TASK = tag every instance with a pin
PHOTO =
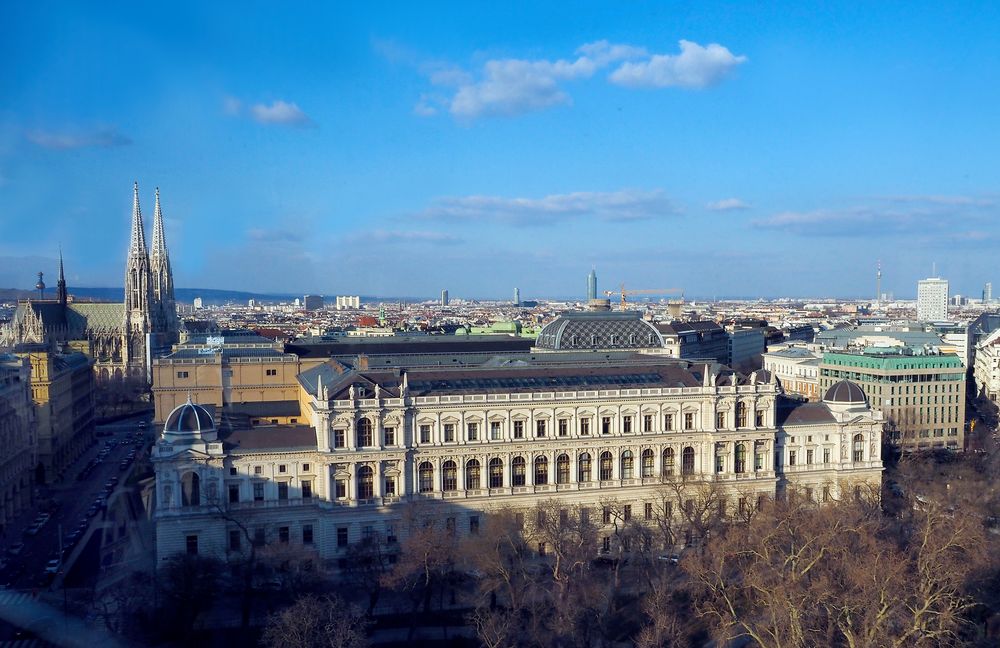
x=164, y=311
x=137, y=290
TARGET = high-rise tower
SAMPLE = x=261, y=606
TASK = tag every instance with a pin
x=137, y=289
x=878, y=281
x=164, y=311
x=592, y=284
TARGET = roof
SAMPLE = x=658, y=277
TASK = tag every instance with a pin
x=266, y=408
x=599, y=330
x=405, y=344
x=845, y=391
x=272, y=437
x=794, y=352
x=98, y=316
x=793, y=413
x=189, y=417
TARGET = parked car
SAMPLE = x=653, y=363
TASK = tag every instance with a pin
x=52, y=567
x=15, y=549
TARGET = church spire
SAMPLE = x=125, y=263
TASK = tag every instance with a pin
x=159, y=243
x=137, y=279
x=162, y=278
x=61, y=285
x=138, y=244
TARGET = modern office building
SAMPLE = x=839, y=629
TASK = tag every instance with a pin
x=932, y=299
x=592, y=285
x=517, y=296
x=444, y=297
x=922, y=396
x=312, y=302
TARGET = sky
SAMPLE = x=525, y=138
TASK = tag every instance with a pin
x=397, y=149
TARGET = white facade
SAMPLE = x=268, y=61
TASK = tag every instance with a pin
x=348, y=301
x=797, y=369
x=987, y=366
x=932, y=299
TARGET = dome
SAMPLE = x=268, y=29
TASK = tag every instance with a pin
x=845, y=391
x=588, y=330
x=189, y=418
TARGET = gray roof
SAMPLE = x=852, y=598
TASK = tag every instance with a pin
x=794, y=413
x=794, y=352
x=272, y=437
x=599, y=330
x=845, y=391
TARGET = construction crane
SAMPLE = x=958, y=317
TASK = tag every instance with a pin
x=642, y=291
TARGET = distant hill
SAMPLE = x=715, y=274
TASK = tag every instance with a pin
x=184, y=295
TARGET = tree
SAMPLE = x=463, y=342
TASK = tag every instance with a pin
x=314, y=622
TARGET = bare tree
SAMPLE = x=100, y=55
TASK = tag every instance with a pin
x=313, y=622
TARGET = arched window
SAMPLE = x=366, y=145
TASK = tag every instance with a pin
x=668, y=462
x=687, y=461
x=741, y=458
x=366, y=482
x=541, y=471
x=562, y=469
x=449, y=476
x=496, y=473
x=518, y=470
x=426, y=474
x=606, y=466
x=191, y=489
x=472, y=474
x=859, y=447
x=648, y=459
x=583, y=467
x=365, y=436
x=627, y=465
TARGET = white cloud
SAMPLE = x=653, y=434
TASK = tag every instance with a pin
x=696, y=66
x=624, y=205
x=728, y=204
x=404, y=236
x=232, y=106
x=280, y=112
x=104, y=137
x=425, y=107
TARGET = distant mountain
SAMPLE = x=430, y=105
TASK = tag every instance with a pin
x=182, y=295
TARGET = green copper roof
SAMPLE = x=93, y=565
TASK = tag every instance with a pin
x=893, y=362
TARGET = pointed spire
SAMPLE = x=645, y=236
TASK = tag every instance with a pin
x=159, y=242
x=61, y=284
x=138, y=243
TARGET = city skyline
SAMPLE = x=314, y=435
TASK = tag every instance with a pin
x=365, y=151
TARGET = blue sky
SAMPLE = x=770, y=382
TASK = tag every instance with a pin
x=401, y=148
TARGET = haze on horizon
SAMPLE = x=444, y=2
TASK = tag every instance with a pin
x=386, y=149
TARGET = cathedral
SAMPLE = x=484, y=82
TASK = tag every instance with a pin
x=119, y=337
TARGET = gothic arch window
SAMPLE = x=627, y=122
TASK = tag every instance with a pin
x=741, y=458
x=648, y=459
x=628, y=465
x=518, y=470
x=607, y=466
x=541, y=471
x=366, y=482
x=190, y=489
x=449, y=476
x=365, y=436
x=496, y=473
x=426, y=477
x=583, y=467
x=859, y=447
x=687, y=461
x=562, y=469
x=668, y=462
x=472, y=474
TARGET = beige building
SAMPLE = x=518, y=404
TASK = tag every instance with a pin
x=474, y=439
x=987, y=366
x=797, y=369
x=922, y=397
x=17, y=437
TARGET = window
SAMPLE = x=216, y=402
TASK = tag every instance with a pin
x=741, y=415
x=259, y=537
x=234, y=540
x=720, y=459
x=472, y=431
x=627, y=512
x=283, y=535
x=495, y=431
x=689, y=421
x=426, y=477
x=365, y=436
x=606, y=425
x=584, y=516
x=449, y=525
x=668, y=462
x=307, y=534
x=390, y=534
x=474, y=525
x=791, y=457
x=341, y=487
x=182, y=374
x=341, y=537
x=606, y=544
x=539, y=429
x=425, y=434
x=472, y=474
x=518, y=470
x=668, y=422
x=826, y=493
x=282, y=490
x=741, y=459
x=192, y=545
x=809, y=457
x=647, y=510
x=233, y=471
x=606, y=466
x=687, y=461
x=307, y=490
x=272, y=372
x=339, y=438
x=859, y=447
x=585, y=427
x=449, y=476
x=258, y=491
x=628, y=464
x=826, y=455
x=627, y=424
x=305, y=467
x=366, y=482
x=541, y=471
x=647, y=423
x=606, y=515
x=563, y=427
x=282, y=468
x=449, y=432
x=390, y=486
x=496, y=473
x=562, y=469
x=518, y=429
x=191, y=490
x=758, y=456
x=234, y=493
x=390, y=436
x=648, y=459
x=583, y=467
x=720, y=420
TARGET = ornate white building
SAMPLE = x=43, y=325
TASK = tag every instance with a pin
x=500, y=436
